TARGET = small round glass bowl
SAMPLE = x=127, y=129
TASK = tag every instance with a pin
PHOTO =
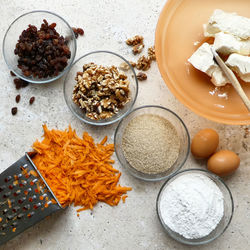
x=181, y=131
x=223, y=224
x=36, y=18
x=107, y=59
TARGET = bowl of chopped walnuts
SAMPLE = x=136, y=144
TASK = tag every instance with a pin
x=39, y=46
x=100, y=88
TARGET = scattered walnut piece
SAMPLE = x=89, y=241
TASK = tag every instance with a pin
x=143, y=63
x=101, y=91
x=151, y=53
x=133, y=64
x=124, y=66
x=135, y=40
x=141, y=76
x=137, y=49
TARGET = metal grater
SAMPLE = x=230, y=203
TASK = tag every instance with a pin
x=24, y=198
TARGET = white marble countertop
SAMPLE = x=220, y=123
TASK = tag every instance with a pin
x=133, y=225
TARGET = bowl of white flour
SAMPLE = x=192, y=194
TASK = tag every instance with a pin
x=195, y=206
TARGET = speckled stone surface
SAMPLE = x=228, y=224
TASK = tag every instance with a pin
x=133, y=225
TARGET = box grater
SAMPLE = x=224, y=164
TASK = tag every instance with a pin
x=25, y=198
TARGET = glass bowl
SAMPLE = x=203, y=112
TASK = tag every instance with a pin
x=223, y=224
x=104, y=58
x=181, y=131
x=36, y=18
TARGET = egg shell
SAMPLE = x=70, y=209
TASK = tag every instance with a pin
x=223, y=162
x=204, y=143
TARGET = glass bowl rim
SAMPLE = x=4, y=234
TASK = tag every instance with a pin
x=187, y=242
x=131, y=104
x=62, y=72
x=156, y=178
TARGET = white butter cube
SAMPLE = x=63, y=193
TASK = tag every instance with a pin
x=228, y=23
x=227, y=44
x=241, y=65
x=202, y=59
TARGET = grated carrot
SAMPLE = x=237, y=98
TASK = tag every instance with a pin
x=77, y=170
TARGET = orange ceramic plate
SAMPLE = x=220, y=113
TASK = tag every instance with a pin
x=179, y=33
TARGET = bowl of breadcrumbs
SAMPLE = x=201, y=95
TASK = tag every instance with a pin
x=152, y=143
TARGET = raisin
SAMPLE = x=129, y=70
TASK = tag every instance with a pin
x=14, y=111
x=20, y=83
x=18, y=97
x=32, y=99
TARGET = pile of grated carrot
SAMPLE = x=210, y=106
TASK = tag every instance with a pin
x=77, y=170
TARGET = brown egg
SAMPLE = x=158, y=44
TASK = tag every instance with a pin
x=204, y=143
x=223, y=162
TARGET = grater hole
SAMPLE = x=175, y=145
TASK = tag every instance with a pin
x=15, y=209
x=10, y=217
x=21, y=200
x=23, y=183
x=23, y=168
x=26, y=207
x=33, y=182
x=17, y=192
x=5, y=211
x=29, y=215
x=6, y=195
x=2, y=188
x=31, y=199
x=7, y=178
x=47, y=204
x=42, y=197
x=20, y=216
x=26, y=192
x=36, y=206
x=15, y=183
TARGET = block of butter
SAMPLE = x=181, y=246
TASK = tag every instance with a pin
x=230, y=23
x=241, y=65
x=202, y=59
x=227, y=44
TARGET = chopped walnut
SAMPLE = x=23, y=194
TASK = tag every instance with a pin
x=137, y=49
x=135, y=40
x=143, y=63
x=141, y=76
x=101, y=91
x=124, y=66
x=151, y=53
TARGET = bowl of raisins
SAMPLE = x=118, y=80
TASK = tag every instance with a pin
x=39, y=46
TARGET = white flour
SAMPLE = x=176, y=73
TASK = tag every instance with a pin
x=192, y=205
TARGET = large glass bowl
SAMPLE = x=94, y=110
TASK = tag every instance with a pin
x=36, y=18
x=181, y=131
x=223, y=224
x=104, y=58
